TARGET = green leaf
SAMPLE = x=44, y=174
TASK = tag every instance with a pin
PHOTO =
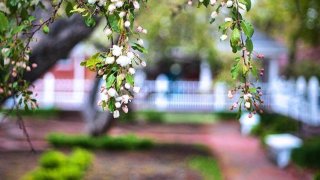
x=119, y=82
x=90, y=22
x=247, y=3
x=206, y=3
x=247, y=28
x=4, y=23
x=111, y=104
x=68, y=9
x=45, y=29
x=235, y=37
x=253, y=90
x=249, y=45
x=254, y=71
x=139, y=48
x=235, y=69
x=130, y=79
x=113, y=20
x=110, y=81
x=92, y=61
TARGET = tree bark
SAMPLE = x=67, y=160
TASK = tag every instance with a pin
x=64, y=35
x=98, y=122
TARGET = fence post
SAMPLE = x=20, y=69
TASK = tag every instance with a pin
x=78, y=82
x=301, y=87
x=162, y=87
x=220, y=93
x=205, y=79
x=313, y=95
x=48, y=90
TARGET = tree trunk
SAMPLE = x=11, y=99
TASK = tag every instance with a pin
x=64, y=35
x=98, y=122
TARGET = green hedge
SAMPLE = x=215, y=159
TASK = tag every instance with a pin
x=275, y=124
x=309, y=154
x=54, y=165
x=206, y=166
x=126, y=142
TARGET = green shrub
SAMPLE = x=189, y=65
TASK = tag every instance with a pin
x=308, y=155
x=275, y=124
x=317, y=176
x=154, y=116
x=226, y=115
x=55, y=165
x=126, y=142
x=80, y=158
x=207, y=166
x=52, y=159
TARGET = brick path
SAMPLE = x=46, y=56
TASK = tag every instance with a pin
x=241, y=158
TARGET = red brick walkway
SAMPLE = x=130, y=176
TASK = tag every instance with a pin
x=241, y=158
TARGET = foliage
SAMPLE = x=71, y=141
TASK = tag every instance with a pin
x=305, y=68
x=127, y=142
x=275, y=124
x=55, y=165
x=207, y=166
x=308, y=155
x=317, y=176
x=117, y=65
x=289, y=19
x=38, y=113
x=150, y=116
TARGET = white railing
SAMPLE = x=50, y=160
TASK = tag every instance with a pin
x=296, y=99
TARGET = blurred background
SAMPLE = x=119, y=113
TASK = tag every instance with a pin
x=179, y=126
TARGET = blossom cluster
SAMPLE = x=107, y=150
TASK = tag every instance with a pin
x=117, y=65
x=239, y=31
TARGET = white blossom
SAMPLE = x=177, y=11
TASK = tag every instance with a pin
x=139, y=29
x=119, y=4
x=223, y=37
x=214, y=14
x=117, y=104
x=123, y=61
x=127, y=85
x=116, y=114
x=127, y=24
x=108, y=31
x=92, y=1
x=227, y=19
x=125, y=99
x=136, y=5
x=132, y=71
x=140, y=42
x=112, y=92
x=229, y=3
x=109, y=60
x=122, y=14
x=125, y=109
x=144, y=31
x=130, y=55
x=213, y=2
x=111, y=8
x=230, y=95
x=143, y=64
x=136, y=89
x=116, y=50
x=247, y=96
x=247, y=105
x=4, y=51
x=102, y=2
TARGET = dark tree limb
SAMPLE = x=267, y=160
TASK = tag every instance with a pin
x=64, y=35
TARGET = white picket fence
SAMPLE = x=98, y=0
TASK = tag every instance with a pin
x=298, y=99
